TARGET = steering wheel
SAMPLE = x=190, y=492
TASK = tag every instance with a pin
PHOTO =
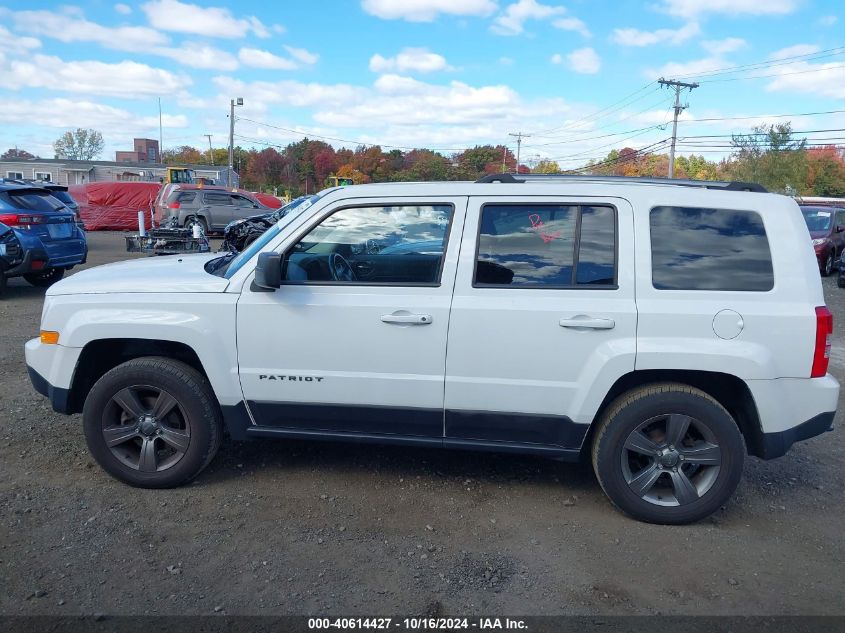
x=340, y=269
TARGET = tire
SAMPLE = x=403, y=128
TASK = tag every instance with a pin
x=193, y=423
x=828, y=265
x=195, y=219
x=3, y=282
x=636, y=419
x=840, y=281
x=45, y=278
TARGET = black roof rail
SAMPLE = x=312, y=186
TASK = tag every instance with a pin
x=724, y=185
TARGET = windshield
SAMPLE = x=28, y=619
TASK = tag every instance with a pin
x=290, y=206
x=817, y=220
x=64, y=196
x=249, y=252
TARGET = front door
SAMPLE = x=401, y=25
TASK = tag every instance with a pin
x=355, y=339
x=543, y=319
x=219, y=208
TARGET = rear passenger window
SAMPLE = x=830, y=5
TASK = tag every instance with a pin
x=217, y=198
x=546, y=246
x=709, y=249
x=186, y=197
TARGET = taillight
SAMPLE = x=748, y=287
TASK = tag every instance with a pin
x=824, y=332
x=14, y=219
x=174, y=205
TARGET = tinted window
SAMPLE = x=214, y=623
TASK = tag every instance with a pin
x=390, y=245
x=186, y=197
x=539, y=245
x=709, y=249
x=35, y=202
x=217, y=198
x=818, y=220
x=243, y=202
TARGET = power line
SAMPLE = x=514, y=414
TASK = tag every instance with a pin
x=763, y=116
x=780, y=61
x=797, y=72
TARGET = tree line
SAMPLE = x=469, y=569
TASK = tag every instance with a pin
x=772, y=156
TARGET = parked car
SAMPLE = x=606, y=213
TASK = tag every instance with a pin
x=210, y=207
x=827, y=230
x=11, y=253
x=239, y=234
x=46, y=229
x=632, y=322
x=60, y=192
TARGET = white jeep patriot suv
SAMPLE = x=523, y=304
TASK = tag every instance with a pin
x=662, y=329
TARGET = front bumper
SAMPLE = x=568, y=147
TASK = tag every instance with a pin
x=51, y=369
x=58, y=397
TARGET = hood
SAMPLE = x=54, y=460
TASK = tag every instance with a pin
x=171, y=273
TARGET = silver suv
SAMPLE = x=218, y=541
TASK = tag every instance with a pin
x=211, y=208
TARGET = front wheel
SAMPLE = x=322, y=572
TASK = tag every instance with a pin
x=668, y=453
x=197, y=220
x=152, y=422
x=45, y=278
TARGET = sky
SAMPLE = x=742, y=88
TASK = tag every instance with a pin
x=578, y=77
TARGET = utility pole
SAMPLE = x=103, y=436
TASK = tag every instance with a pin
x=519, y=136
x=239, y=101
x=677, y=85
x=210, y=151
x=160, y=135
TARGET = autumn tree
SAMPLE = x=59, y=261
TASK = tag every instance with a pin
x=546, y=166
x=14, y=153
x=769, y=156
x=825, y=172
x=80, y=144
x=185, y=155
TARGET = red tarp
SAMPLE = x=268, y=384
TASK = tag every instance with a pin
x=114, y=206
x=267, y=200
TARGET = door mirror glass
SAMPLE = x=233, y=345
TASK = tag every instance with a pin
x=268, y=272
x=840, y=228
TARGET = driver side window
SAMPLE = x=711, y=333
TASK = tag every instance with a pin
x=398, y=245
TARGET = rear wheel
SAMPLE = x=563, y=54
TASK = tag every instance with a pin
x=196, y=220
x=2, y=281
x=840, y=281
x=668, y=453
x=46, y=277
x=152, y=422
x=827, y=268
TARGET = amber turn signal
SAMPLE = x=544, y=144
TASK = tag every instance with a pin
x=49, y=338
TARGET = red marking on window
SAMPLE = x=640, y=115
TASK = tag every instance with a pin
x=537, y=223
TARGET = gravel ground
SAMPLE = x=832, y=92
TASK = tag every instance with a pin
x=297, y=528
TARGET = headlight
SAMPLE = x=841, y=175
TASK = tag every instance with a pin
x=819, y=241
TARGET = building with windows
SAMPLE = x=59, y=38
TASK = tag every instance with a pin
x=79, y=172
x=146, y=151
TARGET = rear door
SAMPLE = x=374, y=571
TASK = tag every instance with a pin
x=543, y=319
x=219, y=208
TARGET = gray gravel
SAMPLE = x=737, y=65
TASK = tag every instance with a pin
x=297, y=528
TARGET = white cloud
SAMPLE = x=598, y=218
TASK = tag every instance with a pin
x=261, y=94
x=557, y=58
x=828, y=20
x=635, y=37
x=67, y=113
x=725, y=46
x=427, y=10
x=16, y=43
x=677, y=70
x=506, y=61
x=823, y=80
x=71, y=26
x=512, y=20
x=197, y=55
x=408, y=60
x=264, y=59
x=125, y=79
x=584, y=61
x=795, y=51
x=123, y=9
x=694, y=8
x=302, y=55
x=181, y=17
x=572, y=24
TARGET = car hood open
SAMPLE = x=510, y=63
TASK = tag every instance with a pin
x=172, y=273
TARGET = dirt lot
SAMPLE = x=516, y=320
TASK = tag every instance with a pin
x=296, y=528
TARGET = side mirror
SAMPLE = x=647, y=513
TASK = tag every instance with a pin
x=268, y=272
x=840, y=228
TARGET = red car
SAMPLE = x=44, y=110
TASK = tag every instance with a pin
x=827, y=229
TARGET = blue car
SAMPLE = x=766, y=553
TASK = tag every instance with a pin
x=45, y=233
